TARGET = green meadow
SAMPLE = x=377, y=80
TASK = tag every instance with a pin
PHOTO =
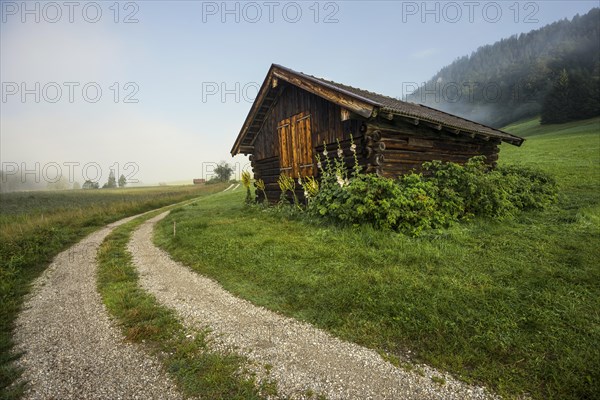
x=513, y=305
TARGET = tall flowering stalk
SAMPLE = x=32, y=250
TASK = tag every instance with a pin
x=287, y=183
x=246, y=182
x=355, y=168
x=260, y=185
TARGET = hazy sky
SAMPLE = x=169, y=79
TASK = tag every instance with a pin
x=160, y=89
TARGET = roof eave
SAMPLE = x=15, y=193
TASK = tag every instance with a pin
x=503, y=136
x=264, y=89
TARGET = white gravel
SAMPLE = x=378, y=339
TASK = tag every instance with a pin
x=72, y=349
x=300, y=356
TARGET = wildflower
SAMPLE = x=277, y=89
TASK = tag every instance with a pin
x=340, y=153
x=319, y=165
x=346, y=182
x=353, y=148
x=340, y=180
x=246, y=179
x=325, y=151
x=305, y=193
x=299, y=181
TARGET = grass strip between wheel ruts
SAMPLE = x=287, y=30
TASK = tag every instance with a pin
x=197, y=370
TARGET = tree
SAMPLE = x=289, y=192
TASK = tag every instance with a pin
x=90, y=185
x=122, y=181
x=112, y=181
x=223, y=171
x=557, y=105
x=76, y=185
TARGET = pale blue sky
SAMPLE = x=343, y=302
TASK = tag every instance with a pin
x=176, y=50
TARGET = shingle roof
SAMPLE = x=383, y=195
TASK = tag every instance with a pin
x=420, y=111
x=370, y=102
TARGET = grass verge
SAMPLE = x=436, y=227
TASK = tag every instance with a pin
x=35, y=226
x=198, y=371
x=513, y=305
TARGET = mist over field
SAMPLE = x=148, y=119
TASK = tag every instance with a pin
x=157, y=91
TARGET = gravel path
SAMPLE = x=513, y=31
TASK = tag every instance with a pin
x=72, y=349
x=299, y=356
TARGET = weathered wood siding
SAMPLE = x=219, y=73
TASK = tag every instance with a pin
x=325, y=126
x=406, y=147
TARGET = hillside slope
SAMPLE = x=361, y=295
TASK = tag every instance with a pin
x=553, y=71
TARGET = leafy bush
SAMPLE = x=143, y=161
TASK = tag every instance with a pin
x=408, y=205
x=444, y=194
x=533, y=188
x=475, y=189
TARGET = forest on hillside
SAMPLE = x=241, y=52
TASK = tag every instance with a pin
x=553, y=71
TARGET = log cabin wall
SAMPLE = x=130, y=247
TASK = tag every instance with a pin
x=326, y=126
x=405, y=147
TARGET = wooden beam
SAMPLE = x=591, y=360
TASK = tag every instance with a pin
x=437, y=127
x=246, y=149
x=362, y=108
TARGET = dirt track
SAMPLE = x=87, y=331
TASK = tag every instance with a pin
x=72, y=349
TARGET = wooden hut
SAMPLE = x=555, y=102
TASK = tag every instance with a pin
x=296, y=115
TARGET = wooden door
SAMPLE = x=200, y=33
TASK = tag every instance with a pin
x=295, y=144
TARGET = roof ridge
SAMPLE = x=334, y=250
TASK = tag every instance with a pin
x=353, y=87
x=459, y=117
x=404, y=101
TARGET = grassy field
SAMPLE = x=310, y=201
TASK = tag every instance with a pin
x=513, y=305
x=35, y=226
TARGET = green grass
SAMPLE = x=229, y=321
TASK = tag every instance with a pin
x=514, y=305
x=198, y=371
x=35, y=226
x=571, y=152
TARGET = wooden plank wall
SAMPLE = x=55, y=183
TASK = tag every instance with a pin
x=407, y=148
x=326, y=125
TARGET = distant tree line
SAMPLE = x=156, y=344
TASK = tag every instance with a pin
x=553, y=72
x=14, y=180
